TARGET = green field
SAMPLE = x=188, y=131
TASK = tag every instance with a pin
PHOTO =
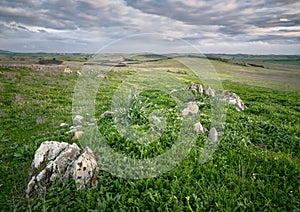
x=256, y=166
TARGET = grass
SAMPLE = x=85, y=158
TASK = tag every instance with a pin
x=241, y=176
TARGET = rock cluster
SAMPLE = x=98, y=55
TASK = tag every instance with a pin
x=232, y=98
x=59, y=160
x=196, y=87
x=79, y=123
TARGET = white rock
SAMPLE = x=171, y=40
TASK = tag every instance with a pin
x=48, y=151
x=65, y=160
x=198, y=128
x=200, y=89
x=213, y=135
x=30, y=186
x=156, y=119
x=58, y=160
x=74, y=128
x=106, y=113
x=173, y=91
x=101, y=76
x=77, y=135
x=234, y=100
x=209, y=92
x=86, y=169
x=192, y=108
x=78, y=119
x=63, y=125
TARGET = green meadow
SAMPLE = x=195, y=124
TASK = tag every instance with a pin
x=256, y=166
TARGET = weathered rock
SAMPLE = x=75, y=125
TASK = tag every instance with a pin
x=213, y=135
x=198, y=128
x=58, y=160
x=86, y=169
x=67, y=70
x=195, y=87
x=74, y=128
x=78, y=119
x=192, y=108
x=234, y=100
x=156, y=119
x=106, y=113
x=63, y=125
x=209, y=92
x=103, y=76
x=77, y=135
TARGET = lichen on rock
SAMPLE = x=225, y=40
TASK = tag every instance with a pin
x=59, y=160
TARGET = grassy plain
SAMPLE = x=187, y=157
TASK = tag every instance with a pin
x=255, y=168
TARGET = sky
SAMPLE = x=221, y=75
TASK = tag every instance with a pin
x=211, y=26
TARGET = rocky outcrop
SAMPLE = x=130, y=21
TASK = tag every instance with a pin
x=209, y=92
x=196, y=88
x=86, y=169
x=192, y=108
x=234, y=100
x=59, y=160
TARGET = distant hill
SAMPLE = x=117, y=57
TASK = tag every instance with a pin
x=5, y=52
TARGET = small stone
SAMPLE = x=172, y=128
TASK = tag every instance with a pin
x=173, y=91
x=200, y=89
x=209, y=92
x=77, y=135
x=78, y=119
x=198, y=128
x=192, y=108
x=156, y=119
x=63, y=125
x=106, y=113
x=103, y=76
x=74, y=128
x=213, y=135
x=67, y=70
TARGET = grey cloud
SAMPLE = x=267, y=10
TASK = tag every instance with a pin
x=88, y=22
x=57, y=14
x=234, y=16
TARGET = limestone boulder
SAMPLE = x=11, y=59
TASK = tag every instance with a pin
x=78, y=119
x=59, y=160
x=198, y=128
x=234, y=100
x=213, y=135
x=209, y=92
x=192, y=108
x=86, y=169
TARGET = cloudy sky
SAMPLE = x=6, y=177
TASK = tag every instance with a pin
x=211, y=26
